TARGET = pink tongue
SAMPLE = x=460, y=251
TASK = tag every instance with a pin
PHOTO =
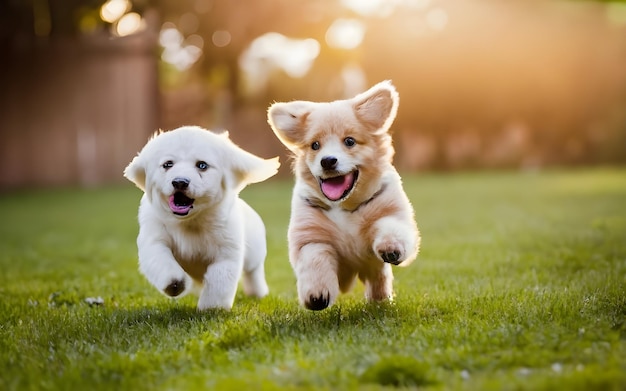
x=333, y=188
x=180, y=209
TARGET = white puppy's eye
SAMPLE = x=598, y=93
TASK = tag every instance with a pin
x=202, y=165
x=315, y=146
x=168, y=164
x=349, y=142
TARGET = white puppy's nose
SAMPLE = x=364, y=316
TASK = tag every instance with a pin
x=329, y=162
x=180, y=183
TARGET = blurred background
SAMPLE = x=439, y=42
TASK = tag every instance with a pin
x=483, y=84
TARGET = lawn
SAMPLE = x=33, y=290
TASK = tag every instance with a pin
x=520, y=285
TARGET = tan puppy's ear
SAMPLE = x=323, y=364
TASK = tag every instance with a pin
x=288, y=121
x=377, y=107
x=136, y=172
x=248, y=168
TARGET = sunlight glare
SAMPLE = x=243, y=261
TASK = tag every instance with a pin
x=370, y=7
x=417, y=4
x=437, y=19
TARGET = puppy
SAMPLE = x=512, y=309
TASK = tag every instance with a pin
x=194, y=230
x=350, y=216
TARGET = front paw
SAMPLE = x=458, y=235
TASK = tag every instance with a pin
x=392, y=257
x=175, y=287
x=390, y=251
x=317, y=303
x=317, y=297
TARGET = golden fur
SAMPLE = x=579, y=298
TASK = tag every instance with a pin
x=333, y=240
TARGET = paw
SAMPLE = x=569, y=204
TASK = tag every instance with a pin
x=390, y=251
x=317, y=297
x=175, y=288
x=254, y=284
x=392, y=257
x=317, y=302
x=316, y=274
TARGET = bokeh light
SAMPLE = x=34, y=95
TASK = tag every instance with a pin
x=221, y=38
x=113, y=10
x=294, y=56
x=345, y=33
x=273, y=51
x=128, y=24
x=170, y=37
x=179, y=51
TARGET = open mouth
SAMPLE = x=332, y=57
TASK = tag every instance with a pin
x=180, y=204
x=338, y=187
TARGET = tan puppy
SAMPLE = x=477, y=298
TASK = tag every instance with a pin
x=194, y=230
x=349, y=214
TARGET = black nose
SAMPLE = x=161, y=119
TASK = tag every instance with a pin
x=329, y=163
x=180, y=183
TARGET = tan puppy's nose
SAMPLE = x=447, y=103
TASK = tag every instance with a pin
x=329, y=162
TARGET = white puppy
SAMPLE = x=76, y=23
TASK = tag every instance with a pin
x=194, y=230
x=350, y=216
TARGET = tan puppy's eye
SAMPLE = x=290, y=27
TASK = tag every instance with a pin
x=315, y=146
x=168, y=164
x=349, y=142
x=202, y=166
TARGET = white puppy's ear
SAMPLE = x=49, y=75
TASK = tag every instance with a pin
x=288, y=121
x=136, y=169
x=136, y=172
x=377, y=107
x=248, y=168
x=255, y=169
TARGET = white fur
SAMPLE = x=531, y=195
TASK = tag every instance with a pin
x=221, y=237
x=332, y=242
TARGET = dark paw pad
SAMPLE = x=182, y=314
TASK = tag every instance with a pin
x=175, y=288
x=392, y=257
x=318, y=303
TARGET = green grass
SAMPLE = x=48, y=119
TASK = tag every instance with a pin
x=520, y=285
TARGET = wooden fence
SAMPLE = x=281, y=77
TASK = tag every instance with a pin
x=76, y=111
